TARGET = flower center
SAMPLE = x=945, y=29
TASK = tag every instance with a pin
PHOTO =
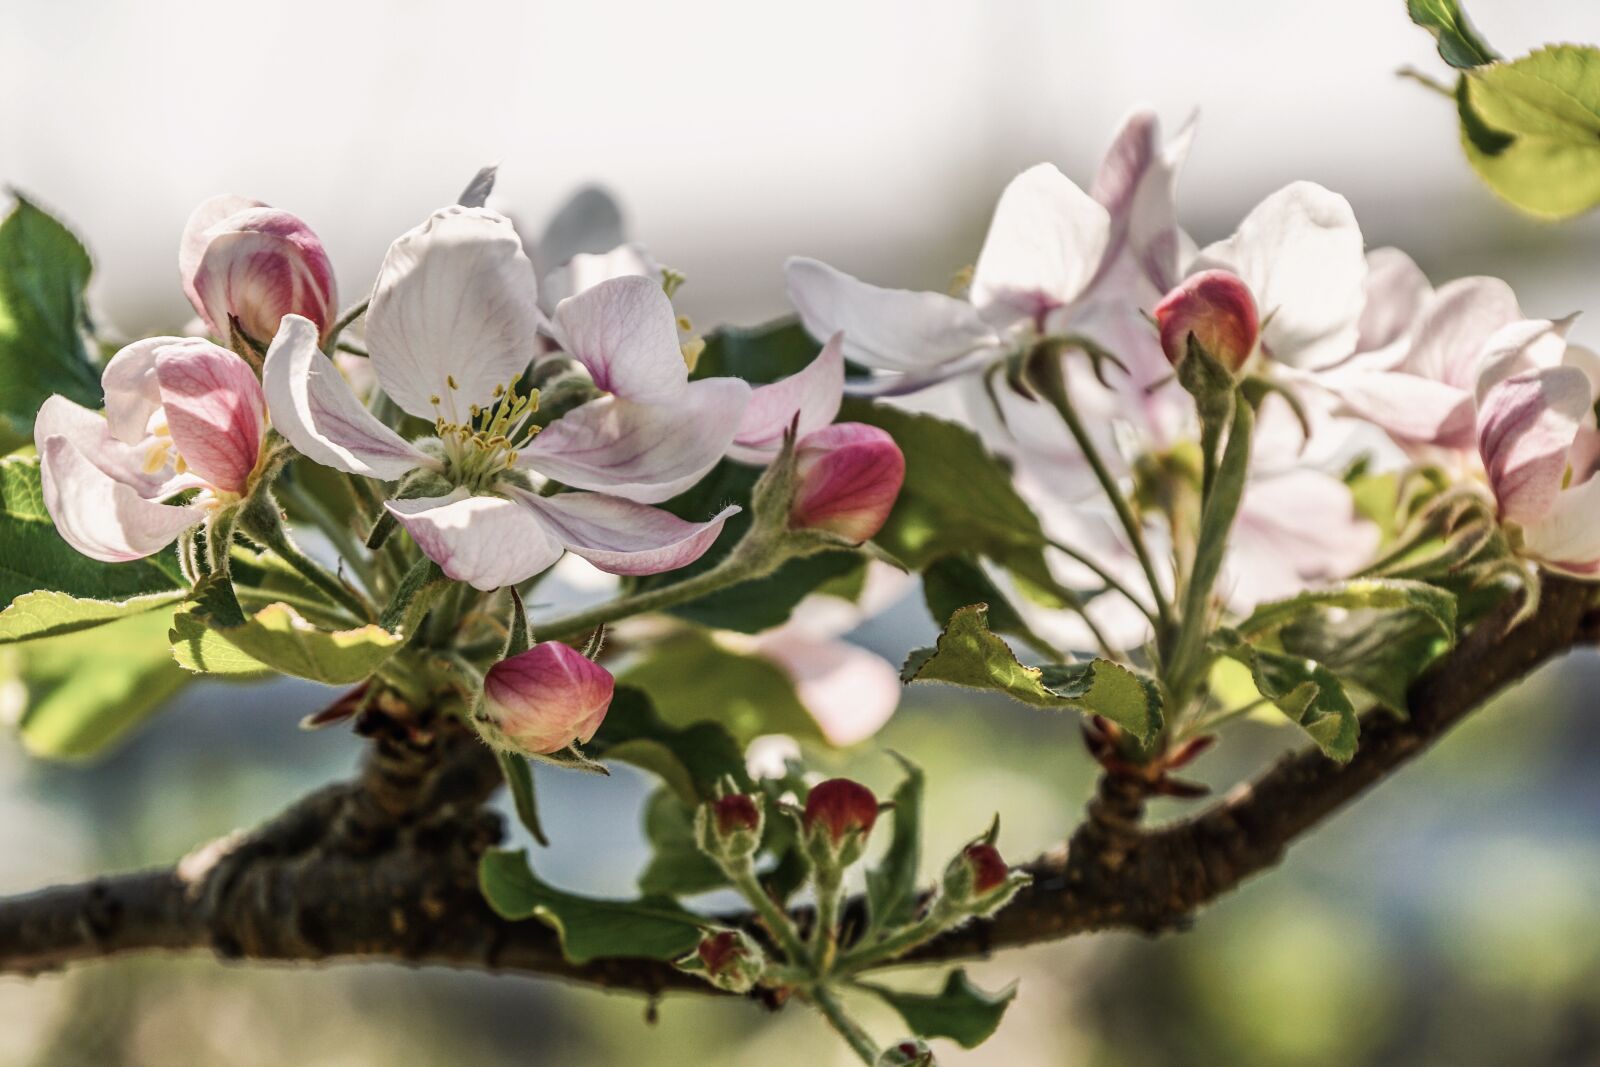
x=158, y=448
x=485, y=445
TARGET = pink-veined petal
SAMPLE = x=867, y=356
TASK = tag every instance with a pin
x=131, y=390
x=1455, y=324
x=1136, y=184
x=1300, y=252
x=101, y=517
x=312, y=405
x=215, y=411
x=621, y=537
x=259, y=265
x=1518, y=347
x=643, y=452
x=130, y=464
x=1409, y=408
x=196, y=235
x=812, y=395
x=625, y=333
x=888, y=329
x=485, y=541
x=1526, y=427
x=455, y=300
x=1045, y=243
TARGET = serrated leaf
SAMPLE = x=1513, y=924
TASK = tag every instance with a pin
x=84, y=691
x=36, y=557
x=590, y=928
x=277, y=638
x=1307, y=692
x=692, y=677
x=44, y=270
x=691, y=759
x=1531, y=129
x=892, y=884
x=960, y=1011
x=953, y=582
x=1381, y=653
x=969, y=655
x=1459, y=43
x=45, y=613
x=1437, y=606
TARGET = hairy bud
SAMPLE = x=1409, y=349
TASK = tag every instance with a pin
x=543, y=700
x=979, y=882
x=847, y=477
x=729, y=828
x=728, y=959
x=838, y=817
x=1217, y=310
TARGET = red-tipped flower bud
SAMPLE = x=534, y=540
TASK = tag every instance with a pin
x=1216, y=308
x=988, y=869
x=729, y=828
x=728, y=959
x=909, y=1053
x=545, y=699
x=847, y=478
x=978, y=881
x=838, y=817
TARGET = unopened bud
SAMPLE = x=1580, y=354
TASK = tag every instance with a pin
x=729, y=827
x=1216, y=308
x=847, y=477
x=242, y=261
x=728, y=959
x=909, y=1053
x=978, y=881
x=543, y=700
x=838, y=817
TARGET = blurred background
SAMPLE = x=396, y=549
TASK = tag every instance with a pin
x=1447, y=919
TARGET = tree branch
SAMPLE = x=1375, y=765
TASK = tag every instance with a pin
x=385, y=866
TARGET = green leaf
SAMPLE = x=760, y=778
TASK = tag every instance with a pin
x=954, y=582
x=44, y=613
x=969, y=655
x=43, y=272
x=37, y=558
x=892, y=884
x=1437, y=606
x=277, y=638
x=1381, y=653
x=85, y=691
x=677, y=867
x=758, y=354
x=691, y=759
x=651, y=927
x=1307, y=692
x=519, y=782
x=1531, y=129
x=1459, y=43
x=691, y=678
x=960, y=1011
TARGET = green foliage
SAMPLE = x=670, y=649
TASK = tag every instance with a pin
x=277, y=638
x=36, y=557
x=1307, y=692
x=677, y=867
x=969, y=655
x=650, y=927
x=758, y=354
x=44, y=613
x=892, y=884
x=953, y=582
x=690, y=758
x=1380, y=653
x=960, y=1011
x=1436, y=606
x=1459, y=43
x=519, y=783
x=43, y=272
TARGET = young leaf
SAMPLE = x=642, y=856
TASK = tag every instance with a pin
x=953, y=582
x=892, y=884
x=1459, y=43
x=691, y=759
x=43, y=272
x=1307, y=692
x=960, y=1011
x=519, y=781
x=677, y=867
x=44, y=613
x=758, y=354
x=1381, y=653
x=692, y=678
x=969, y=655
x=279, y=639
x=651, y=927
x=1531, y=129
x=1437, y=606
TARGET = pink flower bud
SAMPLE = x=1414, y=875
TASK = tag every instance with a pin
x=840, y=807
x=542, y=700
x=849, y=475
x=736, y=812
x=1218, y=310
x=978, y=881
x=243, y=260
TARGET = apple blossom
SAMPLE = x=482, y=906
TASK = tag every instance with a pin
x=545, y=699
x=181, y=415
x=452, y=324
x=243, y=261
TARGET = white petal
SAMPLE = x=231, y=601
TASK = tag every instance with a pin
x=1568, y=537
x=625, y=333
x=101, y=517
x=812, y=395
x=1136, y=183
x=121, y=462
x=485, y=541
x=455, y=298
x=1299, y=250
x=1526, y=427
x=1456, y=323
x=1045, y=243
x=311, y=404
x=132, y=392
x=643, y=452
x=621, y=537
x=1396, y=292
x=1518, y=347
x=888, y=329
x=1295, y=529
x=1408, y=407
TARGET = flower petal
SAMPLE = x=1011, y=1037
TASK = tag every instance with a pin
x=101, y=517
x=1526, y=427
x=1567, y=538
x=625, y=333
x=586, y=270
x=259, y=265
x=1410, y=408
x=643, y=452
x=1396, y=292
x=621, y=537
x=196, y=235
x=120, y=461
x=215, y=411
x=455, y=299
x=1300, y=252
x=1045, y=243
x=1294, y=529
x=1136, y=185
x=132, y=392
x=1455, y=324
x=811, y=395
x=1529, y=344
x=888, y=329
x=313, y=407
x=485, y=541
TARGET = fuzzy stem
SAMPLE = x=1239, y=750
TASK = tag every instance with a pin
x=858, y=1040
x=743, y=876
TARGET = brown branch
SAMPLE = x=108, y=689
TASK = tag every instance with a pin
x=385, y=866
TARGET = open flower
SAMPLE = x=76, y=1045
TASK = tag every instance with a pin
x=452, y=324
x=1055, y=260
x=243, y=261
x=181, y=415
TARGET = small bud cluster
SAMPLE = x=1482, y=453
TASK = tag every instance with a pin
x=731, y=960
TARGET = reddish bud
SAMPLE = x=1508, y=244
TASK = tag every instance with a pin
x=545, y=699
x=728, y=829
x=1217, y=309
x=978, y=881
x=728, y=959
x=735, y=812
x=840, y=807
x=909, y=1053
x=989, y=870
x=847, y=478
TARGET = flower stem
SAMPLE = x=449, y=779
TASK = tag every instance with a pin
x=743, y=876
x=339, y=533
x=825, y=938
x=861, y=1044
x=1105, y=576
x=260, y=519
